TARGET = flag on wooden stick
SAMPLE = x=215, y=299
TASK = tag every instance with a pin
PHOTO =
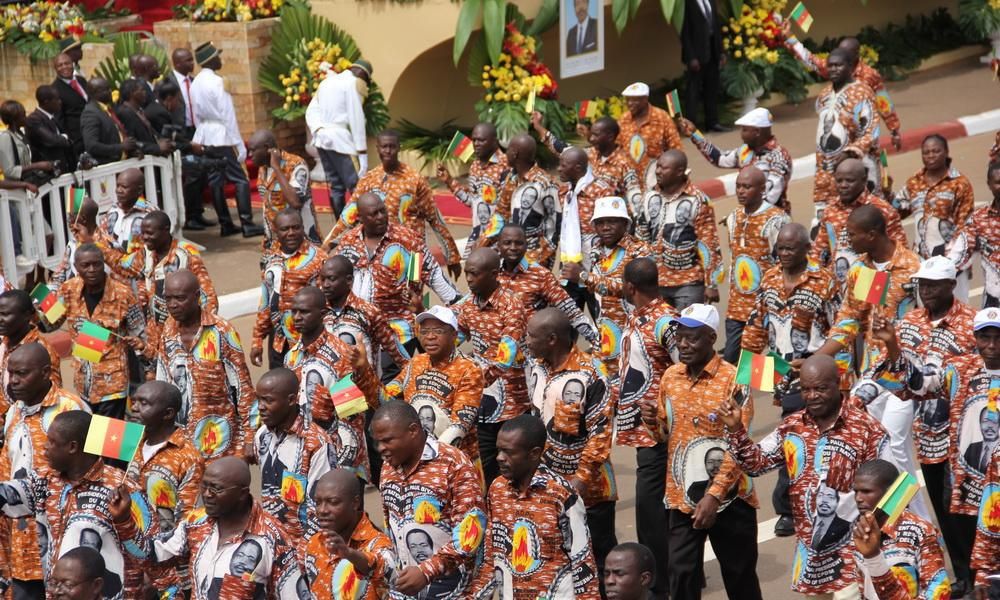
x=347, y=398
x=674, y=103
x=48, y=302
x=587, y=109
x=90, y=342
x=756, y=370
x=802, y=17
x=871, y=286
x=113, y=438
x=895, y=500
x=461, y=147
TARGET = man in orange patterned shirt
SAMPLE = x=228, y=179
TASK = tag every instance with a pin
x=283, y=182
x=536, y=285
x=537, y=545
x=168, y=469
x=19, y=327
x=571, y=394
x=487, y=177
x=432, y=501
x=530, y=199
x=294, y=265
x=613, y=248
x=35, y=400
x=93, y=296
x=492, y=318
x=408, y=200
x=647, y=350
x=348, y=557
x=646, y=131
x=678, y=220
x=981, y=234
x=753, y=230
x=708, y=496
x=200, y=353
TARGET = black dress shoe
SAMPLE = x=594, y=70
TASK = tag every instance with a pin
x=252, y=230
x=229, y=229
x=193, y=225
x=785, y=527
x=718, y=128
x=201, y=220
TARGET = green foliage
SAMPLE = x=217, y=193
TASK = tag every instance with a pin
x=978, y=19
x=297, y=24
x=511, y=119
x=493, y=13
x=431, y=144
x=115, y=69
x=548, y=15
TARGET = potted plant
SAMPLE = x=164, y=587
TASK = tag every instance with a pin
x=980, y=19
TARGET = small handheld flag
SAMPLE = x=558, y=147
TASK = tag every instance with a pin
x=529, y=106
x=871, y=286
x=674, y=103
x=113, y=438
x=894, y=502
x=756, y=370
x=461, y=147
x=90, y=342
x=74, y=200
x=347, y=398
x=781, y=366
x=413, y=267
x=802, y=17
x=587, y=109
x=883, y=159
x=48, y=302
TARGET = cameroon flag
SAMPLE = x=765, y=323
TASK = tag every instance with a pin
x=756, y=370
x=91, y=342
x=413, y=267
x=586, y=109
x=871, y=286
x=113, y=438
x=461, y=147
x=802, y=17
x=48, y=302
x=674, y=103
x=894, y=502
x=74, y=200
x=347, y=398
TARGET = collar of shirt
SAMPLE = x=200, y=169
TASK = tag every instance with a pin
x=51, y=399
x=952, y=173
x=180, y=78
x=31, y=336
x=176, y=439
x=539, y=480
x=870, y=262
x=495, y=158
x=653, y=307
x=491, y=301
x=253, y=524
x=429, y=453
x=575, y=360
x=296, y=428
x=93, y=474
x=521, y=267
x=711, y=368
x=956, y=307
x=321, y=341
x=349, y=303
x=686, y=191
x=46, y=113
x=365, y=530
x=845, y=413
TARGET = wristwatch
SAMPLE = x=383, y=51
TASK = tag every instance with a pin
x=583, y=276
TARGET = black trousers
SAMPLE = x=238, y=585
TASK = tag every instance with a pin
x=651, y=523
x=27, y=589
x=601, y=524
x=235, y=173
x=341, y=177
x=958, y=531
x=779, y=497
x=734, y=337
x=487, y=433
x=703, y=91
x=734, y=540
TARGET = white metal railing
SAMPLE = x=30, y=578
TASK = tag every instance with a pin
x=100, y=185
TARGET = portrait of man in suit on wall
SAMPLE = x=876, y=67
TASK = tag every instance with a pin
x=581, y=38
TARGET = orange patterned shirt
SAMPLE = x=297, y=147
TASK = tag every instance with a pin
x=6, y=350
x=537, y=544
x=483, y=193
x=118, y=311
x=986, y=550
x=538, y=289
x=911, y=563
x=574, y=401
x=696, y=438
x=212, y=375
x=647, y=350
x=751, y=246
x=296, y=172
x=646, y=141
x=532, y=202
x=25, y=435
x=832, y=248
x=362, y=322
x=846, y=122
x=939, y=210
x=586, y=200
x=618, y=167
x=171, y=482
x=332, y=576
x=408, y=200
x=682, y=231
x=181, y=255
x=436, y=518
x=980, y=234
x=283, y=276
x=496, y=326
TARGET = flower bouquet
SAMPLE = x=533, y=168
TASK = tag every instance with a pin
x=227, y=10
x=35, y=29
x=753, y=43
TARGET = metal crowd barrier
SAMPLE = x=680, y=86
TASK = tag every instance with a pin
x=100, y=185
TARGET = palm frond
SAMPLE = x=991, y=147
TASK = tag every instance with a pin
x=115, y=69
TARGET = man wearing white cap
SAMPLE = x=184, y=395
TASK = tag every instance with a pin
x=704, y=498
x=918, y=349
x=760, y=149
x=971, y=382
x=613, y=248
x=645, y=131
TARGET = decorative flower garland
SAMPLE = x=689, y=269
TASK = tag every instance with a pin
x=36, y=28
x=228, y=10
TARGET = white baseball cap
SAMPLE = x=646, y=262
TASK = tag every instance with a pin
x=636, y=89
x=699, y=315
x=936, y=268
x=758, y=117
x=610, y=206
x=988, y=317
x=441, y=313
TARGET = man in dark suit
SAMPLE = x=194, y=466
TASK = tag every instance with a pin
x=72, y=90
x=582, y=37
x=103, y=133
x=133, y=97
x=147, y=71
x=182, y=76
x=41, y=128
x=977, y=454
x=828, y=527
x=701, y=52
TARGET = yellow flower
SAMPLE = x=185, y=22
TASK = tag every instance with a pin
x=738, y=40
x=737, y=54
x=489, y=97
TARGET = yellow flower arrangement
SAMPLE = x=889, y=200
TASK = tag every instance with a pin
x=45, y=20
x=316, y=59
x=763, y=35
x=230, y=10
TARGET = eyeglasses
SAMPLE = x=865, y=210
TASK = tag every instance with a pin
x=62, y=584
x=434, y=332
x=212, y=490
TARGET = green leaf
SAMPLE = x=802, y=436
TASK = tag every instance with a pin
x=115, y=69
x=619, y=13
x=494, y=13
x=736, y=6
x=478, y=58
x=548, y=15
x=467, y=17
x=677, y=20
x=634, y=9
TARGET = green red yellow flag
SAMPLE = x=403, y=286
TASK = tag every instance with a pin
x=413, y=267
x=586, y=109
x=871, y=286
x=756, y=370
x=802, y=17
x=74, y=200
x=674, y=103
x=113, y=438
x=781, y=366
x=461, y=147
x=347, y=398
x=894, y=502
x=48, y=302
x=90, y=342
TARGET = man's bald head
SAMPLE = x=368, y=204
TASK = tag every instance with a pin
x=552, y=323
x=369, y=200
x=868, y=218
x=674, y=158
x=398, y=412
x=852, y=166
x=752, y=176
x=312, y=295
x=575, y=156
x=794, y=233
x=346, y=483
x=822, y=367
x=162, y=394
x=339, y=264
x=233, y=470
x=182, y=281
x=852, y=46
x=484, y=259
x=643, y=274
x=281, y=380
x=32, y=355
x=485, y=128
x=523, y=147
x=133, y=176
x=87, y=213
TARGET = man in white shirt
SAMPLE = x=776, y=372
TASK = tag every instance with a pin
x=337, y=122
x=219, y=133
